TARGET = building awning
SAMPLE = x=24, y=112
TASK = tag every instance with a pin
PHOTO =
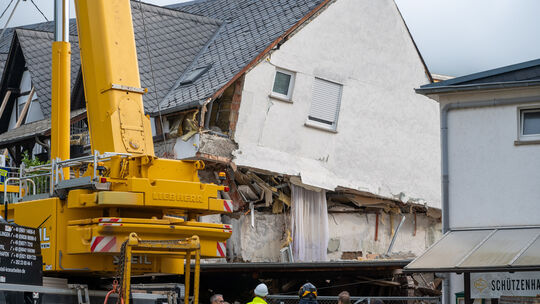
x=482, y=250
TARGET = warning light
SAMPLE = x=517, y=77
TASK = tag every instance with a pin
x=102, y=179
x=226, y=189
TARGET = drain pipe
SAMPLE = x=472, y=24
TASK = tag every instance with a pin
x=445, y=178
x=395, y=235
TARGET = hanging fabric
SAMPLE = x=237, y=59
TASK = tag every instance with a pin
x=309, y=219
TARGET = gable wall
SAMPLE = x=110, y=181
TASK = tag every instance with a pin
x=387, y=139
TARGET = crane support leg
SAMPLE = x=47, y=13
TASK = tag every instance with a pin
x=174, y=248
x=61, y=101
x=61, y=85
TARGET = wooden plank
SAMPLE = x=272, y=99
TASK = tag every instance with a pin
x=25, y=108
x=4, y=102
x=23, y=112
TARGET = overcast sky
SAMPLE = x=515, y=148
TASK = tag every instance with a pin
x=455, y=37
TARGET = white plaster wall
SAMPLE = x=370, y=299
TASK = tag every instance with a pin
x=492, y=181
x=387, y=139
x=356, y=232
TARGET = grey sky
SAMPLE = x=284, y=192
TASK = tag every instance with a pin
x=458, y=37
x=455, y=37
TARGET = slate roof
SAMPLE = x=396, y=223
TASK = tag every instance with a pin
x=516, y=75
x=222, y=35
x=3, y=58
x=174, y=39
x=249, y=27
x=36, y=49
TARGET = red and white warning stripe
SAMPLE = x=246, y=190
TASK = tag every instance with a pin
x=227, y=229
x=228, y=206
x=103, y=244
x=110, y=224
x=110, y=220
x=221, y=251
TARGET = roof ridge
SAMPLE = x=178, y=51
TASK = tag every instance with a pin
x=42, y=34
x=484, y=74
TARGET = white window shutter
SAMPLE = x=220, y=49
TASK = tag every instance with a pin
x=326, y=101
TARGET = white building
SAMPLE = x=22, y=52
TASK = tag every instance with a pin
x=333, y=107
x=490, y=129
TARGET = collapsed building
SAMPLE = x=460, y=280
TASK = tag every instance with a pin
x=307, y=106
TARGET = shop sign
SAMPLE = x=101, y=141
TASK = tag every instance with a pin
x=493, y=285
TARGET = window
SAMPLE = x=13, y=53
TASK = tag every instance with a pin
x=324, y=110
x=529, y=124
x=283, y=85
x=194, y=75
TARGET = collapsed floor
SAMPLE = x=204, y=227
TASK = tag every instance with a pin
x=359, y=226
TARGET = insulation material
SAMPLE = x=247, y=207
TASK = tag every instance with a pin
x=309, y=224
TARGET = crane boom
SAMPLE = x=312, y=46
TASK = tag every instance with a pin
x=111, y=78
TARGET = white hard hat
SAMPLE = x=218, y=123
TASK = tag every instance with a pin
x=261, y=290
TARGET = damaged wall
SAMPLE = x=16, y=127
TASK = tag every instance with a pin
x=387, y=137
x=355, y=232
x=351, y=236
x=261, y=243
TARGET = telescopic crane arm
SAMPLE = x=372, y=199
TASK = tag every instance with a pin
x=111, y=78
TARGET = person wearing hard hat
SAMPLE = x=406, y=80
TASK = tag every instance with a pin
x=308, y=294
x=261, y=291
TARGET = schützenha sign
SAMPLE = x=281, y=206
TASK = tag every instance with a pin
x=493, y=285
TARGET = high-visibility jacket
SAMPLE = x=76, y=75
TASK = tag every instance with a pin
x=257, y=300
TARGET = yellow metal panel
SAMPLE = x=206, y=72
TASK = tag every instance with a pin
x=172, y=265
x=81, y=198
x=118, y=198
x=10, y=189
x=173, y=170
x=220, y=205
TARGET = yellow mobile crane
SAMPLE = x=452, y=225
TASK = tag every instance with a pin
x=122, y=191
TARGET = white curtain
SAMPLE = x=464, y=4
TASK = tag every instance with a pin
x=309, y=225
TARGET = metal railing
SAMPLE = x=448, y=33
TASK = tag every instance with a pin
x=44, y=179
x=286, y=299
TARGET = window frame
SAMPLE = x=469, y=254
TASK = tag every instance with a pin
x=520, y=123
x=280, y=96
x=313, y=122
